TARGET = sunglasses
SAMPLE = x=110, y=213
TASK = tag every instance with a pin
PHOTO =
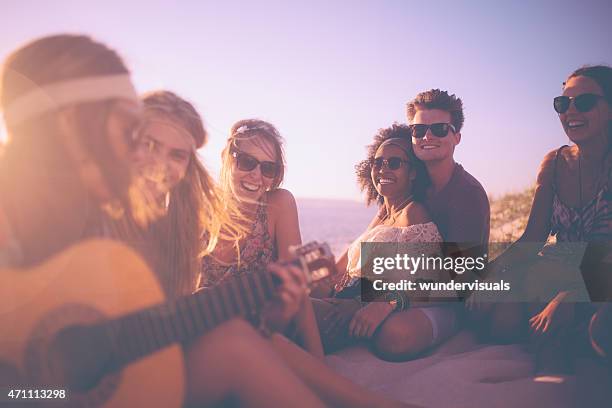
x=393, y=163
x=246, y=162
x=583, y=103
x=419, y=131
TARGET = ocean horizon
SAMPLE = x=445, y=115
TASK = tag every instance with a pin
x=335, y=221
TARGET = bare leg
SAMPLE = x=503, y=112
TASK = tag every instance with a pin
x=478, y=319
x=508, y=322
x=234, y=363
x=403, y=336
x=600, y=332
x=308, y=331
x=334, y=389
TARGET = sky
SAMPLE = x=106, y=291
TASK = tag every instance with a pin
x=330, y=74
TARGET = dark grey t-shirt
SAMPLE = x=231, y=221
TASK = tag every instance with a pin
x=461, y=210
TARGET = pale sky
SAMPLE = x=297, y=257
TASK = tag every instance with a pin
x=329, y=74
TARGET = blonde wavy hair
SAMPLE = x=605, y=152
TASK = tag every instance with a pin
x=253, y=130
x=196, y=217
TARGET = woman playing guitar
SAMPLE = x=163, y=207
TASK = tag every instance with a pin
x=71, y=112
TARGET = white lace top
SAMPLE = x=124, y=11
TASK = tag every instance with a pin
x=418, y=233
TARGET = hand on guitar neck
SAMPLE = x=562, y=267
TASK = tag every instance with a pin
x=291, y=291
x=87, y=318
x=312, y=264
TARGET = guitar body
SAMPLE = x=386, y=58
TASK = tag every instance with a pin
x=94, y=280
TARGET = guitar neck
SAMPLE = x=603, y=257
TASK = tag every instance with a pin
x=82, y=354
x=143, y=332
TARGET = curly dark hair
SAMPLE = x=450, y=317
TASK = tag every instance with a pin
x=437, y=99
x=364, y=168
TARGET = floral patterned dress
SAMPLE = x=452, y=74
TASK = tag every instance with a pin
x=257, y=251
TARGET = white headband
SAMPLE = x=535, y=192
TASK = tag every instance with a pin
x=64, y=93
x=179, y=129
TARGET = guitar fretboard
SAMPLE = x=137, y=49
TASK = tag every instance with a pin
x=141, y=333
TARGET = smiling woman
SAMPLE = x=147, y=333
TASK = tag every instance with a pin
x=252, y=171
x=572, y=202
x=368, y=170
x=167, y=168
x=394, y=178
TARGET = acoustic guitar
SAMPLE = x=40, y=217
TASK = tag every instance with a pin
x=90, y=327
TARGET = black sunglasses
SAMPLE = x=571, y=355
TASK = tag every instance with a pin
x=419, y=130
x=393, y=163
x=246, y=162
x=583, y=102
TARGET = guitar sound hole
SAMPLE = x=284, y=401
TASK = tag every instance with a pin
x=49, y=362
x=82, y=355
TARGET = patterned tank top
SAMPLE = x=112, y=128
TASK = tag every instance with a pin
x=575, y=227
x=591, y=222
x=256, y=252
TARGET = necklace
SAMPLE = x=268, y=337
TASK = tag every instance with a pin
x=392, y=216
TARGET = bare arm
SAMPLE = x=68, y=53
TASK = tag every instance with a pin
x=538, y=225
x=342, y=263
x=324, y=289
x=283, y=211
